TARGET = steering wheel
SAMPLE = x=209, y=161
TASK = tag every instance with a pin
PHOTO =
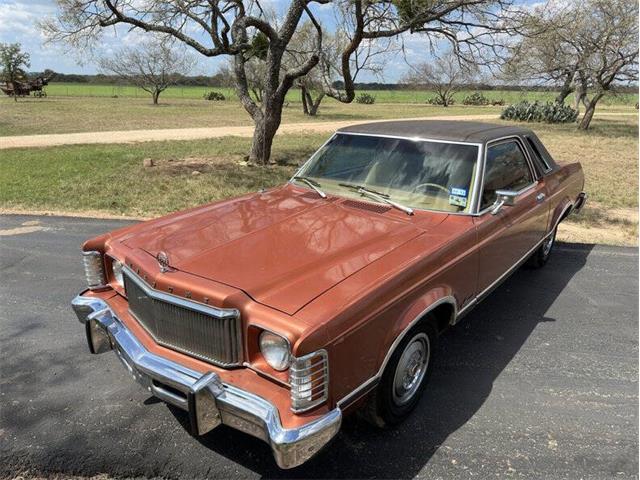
x=431, y=185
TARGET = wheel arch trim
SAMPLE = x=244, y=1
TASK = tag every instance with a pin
x=370, y=383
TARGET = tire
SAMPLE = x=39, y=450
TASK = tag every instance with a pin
x=542, y=254
x=404, y=378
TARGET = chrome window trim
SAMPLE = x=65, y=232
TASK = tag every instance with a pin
x=547, y=168
x=474, y=193
x=364, y=387
x=493, y=143
x=216, y=312
x=414, y=139
x=538, y=143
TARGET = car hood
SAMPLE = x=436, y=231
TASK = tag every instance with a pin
x=283, y=247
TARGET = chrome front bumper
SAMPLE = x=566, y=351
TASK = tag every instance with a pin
x=207, y=399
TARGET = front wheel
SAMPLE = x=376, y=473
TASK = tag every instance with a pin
x=404, y=378
x=542, y=254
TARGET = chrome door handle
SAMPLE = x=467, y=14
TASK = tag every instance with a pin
x=540, y=197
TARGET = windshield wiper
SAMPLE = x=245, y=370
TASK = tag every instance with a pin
x=382, y=197
x=312, y=183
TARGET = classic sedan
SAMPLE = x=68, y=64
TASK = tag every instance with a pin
x=279, y=312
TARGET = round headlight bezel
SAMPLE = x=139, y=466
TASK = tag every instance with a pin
x=275, y=350
x=116, y=271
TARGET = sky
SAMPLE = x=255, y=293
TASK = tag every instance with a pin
x=19, y=23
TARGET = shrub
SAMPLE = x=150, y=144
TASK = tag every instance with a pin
x=498, y=103
x=475, y=98
x=215, y=96
x=438, y=101
x=366, y=99
x=539, y=112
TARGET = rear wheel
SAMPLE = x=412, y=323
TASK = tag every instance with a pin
x=404, y=378
x=542, y=254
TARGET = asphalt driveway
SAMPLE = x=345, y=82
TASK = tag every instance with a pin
x=540, y=381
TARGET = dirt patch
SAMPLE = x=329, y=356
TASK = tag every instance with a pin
x=68, y=213
x=597, y=224
x=575, y=233
x=195, y=165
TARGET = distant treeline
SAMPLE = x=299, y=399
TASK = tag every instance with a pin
x=219, y=80
x=216, y=80
x=470, y=86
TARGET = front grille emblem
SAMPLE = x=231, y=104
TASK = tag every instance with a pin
x=163, y=261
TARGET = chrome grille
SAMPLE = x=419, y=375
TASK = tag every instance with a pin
x=204, y=332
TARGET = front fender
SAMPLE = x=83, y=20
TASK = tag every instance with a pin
x=412, y=315
x=394, y=333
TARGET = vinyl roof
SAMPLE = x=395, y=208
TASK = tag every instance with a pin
x=452, y=130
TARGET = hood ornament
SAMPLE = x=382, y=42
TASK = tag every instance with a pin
x=163, y=261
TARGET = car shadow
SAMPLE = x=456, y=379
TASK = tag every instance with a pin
x=470, y=357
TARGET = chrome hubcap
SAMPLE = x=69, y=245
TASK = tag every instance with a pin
x=546, y=246
x=411, y=369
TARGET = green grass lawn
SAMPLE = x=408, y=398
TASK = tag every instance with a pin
x=111, y=178
x=382, y=96
x=31, y=116
x=88, y=114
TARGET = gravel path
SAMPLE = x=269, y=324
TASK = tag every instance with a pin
x=132, y=136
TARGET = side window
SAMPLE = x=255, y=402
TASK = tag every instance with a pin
x=544, y=153
x=506, y=169
x=537, y=157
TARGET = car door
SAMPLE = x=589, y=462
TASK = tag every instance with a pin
x=508, y=234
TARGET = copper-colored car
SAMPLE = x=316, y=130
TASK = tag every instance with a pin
x=278, y=312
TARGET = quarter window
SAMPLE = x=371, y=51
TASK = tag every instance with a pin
x=506, y=169
x=540, y=160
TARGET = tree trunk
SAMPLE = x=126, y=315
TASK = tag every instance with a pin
x=580, y=97
x=266, y=127
x=309, y=101
x=156, y=95
x=562, y=96
x=303, y=94
x=589, y=111
x=315, y=105
x=565, y=89
x=588, y=116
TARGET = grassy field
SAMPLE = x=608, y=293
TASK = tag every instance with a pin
x=87, y=114
x=111, y=178
x=382, y=96
x=82, y=114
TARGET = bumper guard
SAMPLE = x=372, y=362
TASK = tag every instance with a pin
x=207, y=399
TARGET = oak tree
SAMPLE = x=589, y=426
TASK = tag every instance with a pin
x=230, y=27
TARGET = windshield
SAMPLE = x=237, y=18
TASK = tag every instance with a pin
x=421, y=174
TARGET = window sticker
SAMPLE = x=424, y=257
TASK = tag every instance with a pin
x=458, y=192
x=458, y=196
x=457, y=201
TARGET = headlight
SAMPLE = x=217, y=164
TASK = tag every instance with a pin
x=93, y=269
x=275, y=350
x=116, y=269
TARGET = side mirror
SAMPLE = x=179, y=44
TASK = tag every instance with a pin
x=504, y=197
